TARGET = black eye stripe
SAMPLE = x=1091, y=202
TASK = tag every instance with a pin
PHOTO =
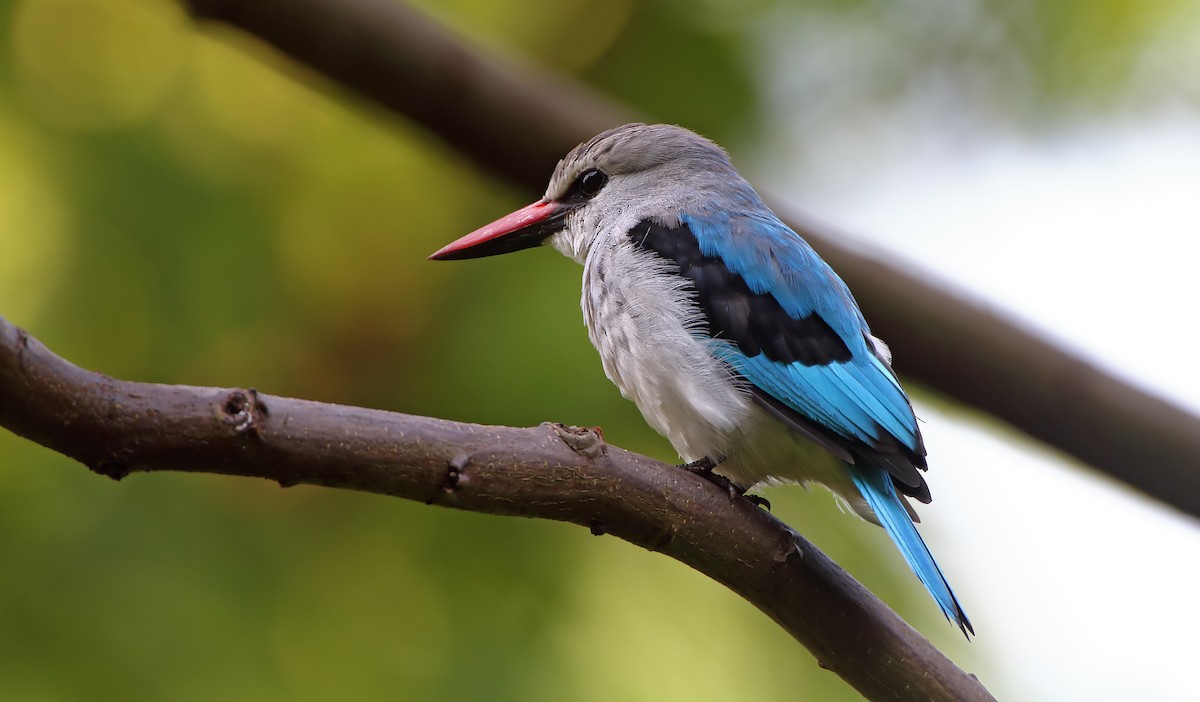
x=586, y=185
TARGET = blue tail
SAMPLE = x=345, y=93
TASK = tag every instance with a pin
x=876, y=486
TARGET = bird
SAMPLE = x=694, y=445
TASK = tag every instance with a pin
x=732, y=336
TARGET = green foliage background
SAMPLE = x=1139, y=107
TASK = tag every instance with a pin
x=178, y=204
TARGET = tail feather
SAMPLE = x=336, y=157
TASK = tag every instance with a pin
x=876, y=486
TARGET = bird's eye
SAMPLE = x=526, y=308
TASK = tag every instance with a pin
x=590, y=182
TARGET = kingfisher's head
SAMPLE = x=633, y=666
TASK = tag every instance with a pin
x=605, y=185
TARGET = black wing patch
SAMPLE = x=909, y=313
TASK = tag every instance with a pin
x=757, y=323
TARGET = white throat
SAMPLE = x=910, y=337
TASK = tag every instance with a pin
x=573, y=242
x=583, y=228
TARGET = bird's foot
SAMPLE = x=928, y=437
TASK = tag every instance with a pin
x=705, y=469
x=758, y=501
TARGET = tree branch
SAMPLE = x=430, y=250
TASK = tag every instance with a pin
x=517, y=121
x=117, y=427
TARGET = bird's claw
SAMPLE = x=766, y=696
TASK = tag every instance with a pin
x=704, y=468
x=758, y=501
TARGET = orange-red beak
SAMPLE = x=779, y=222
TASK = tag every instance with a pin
x=523, y=229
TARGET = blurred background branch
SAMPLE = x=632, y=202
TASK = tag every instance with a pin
x=516, y=122
x=119, y=427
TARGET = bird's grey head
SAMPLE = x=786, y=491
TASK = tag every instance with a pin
x=607, y=184
x=632, y=150
x=634, y=172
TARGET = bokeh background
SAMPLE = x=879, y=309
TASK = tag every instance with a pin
x=178, y=204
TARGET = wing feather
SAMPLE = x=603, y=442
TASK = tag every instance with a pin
x=791, y=328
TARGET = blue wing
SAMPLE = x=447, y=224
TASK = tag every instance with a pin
x=796, y=334
x=857, y=398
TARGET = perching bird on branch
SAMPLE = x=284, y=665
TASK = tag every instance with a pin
x=737, y=342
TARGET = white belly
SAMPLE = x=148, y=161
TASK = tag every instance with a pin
x=639, y=317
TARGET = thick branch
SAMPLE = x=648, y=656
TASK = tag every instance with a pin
x=516, y=122
x=117, y=427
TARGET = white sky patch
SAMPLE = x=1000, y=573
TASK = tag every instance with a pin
x=1094, y=240
x=1079, y=587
